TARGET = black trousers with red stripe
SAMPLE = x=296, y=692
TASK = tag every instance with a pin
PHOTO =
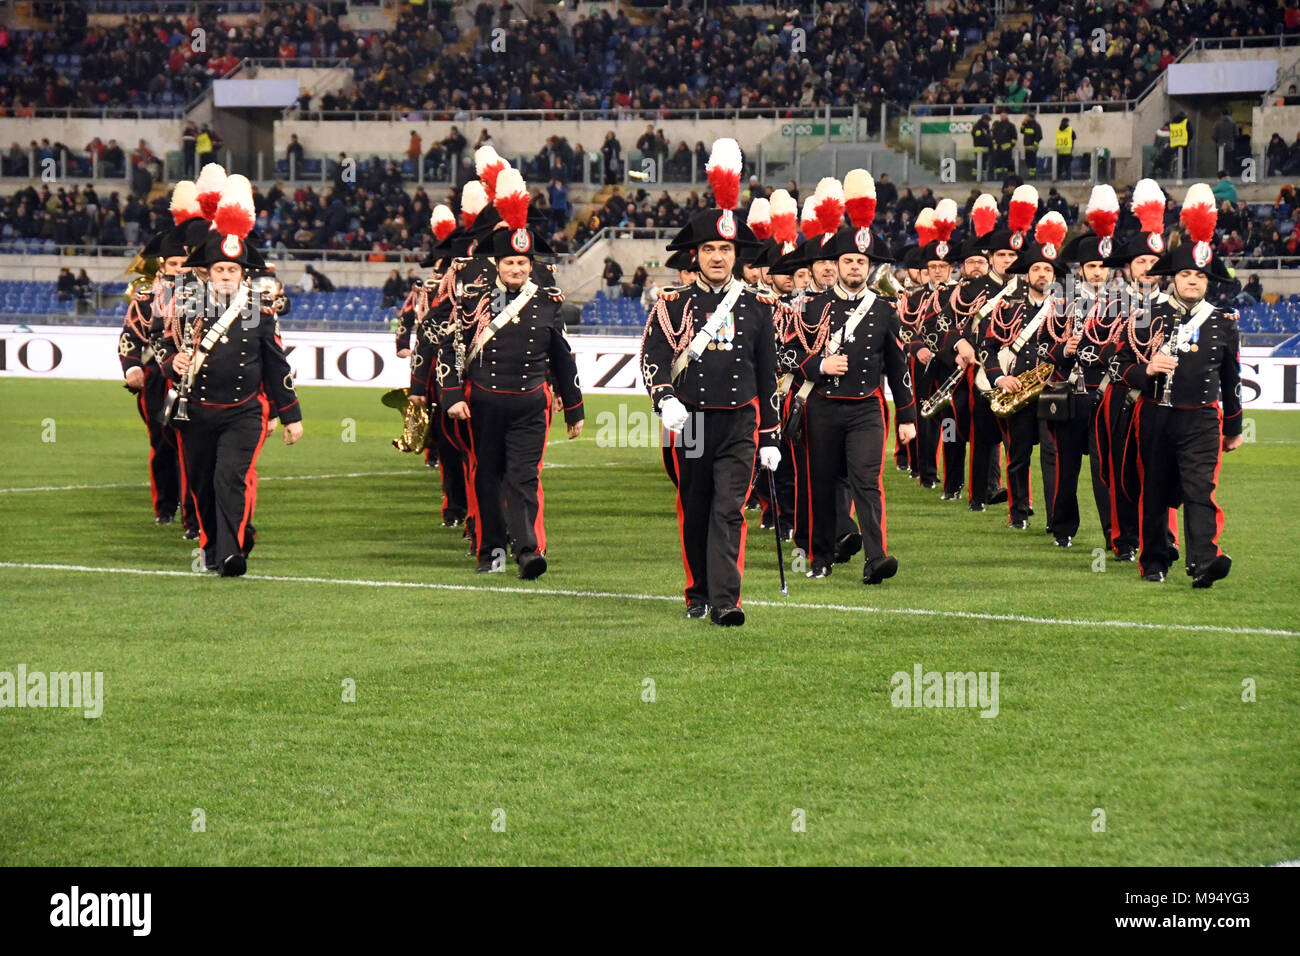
x=846, y=437
x=1113, y=438
x=166, y=479
x=451, y=469
x=1073, y=439
x=986, y=436
x=220, y=447
x=1180, y=450
x=507, y=443
x=714, y=471
x=927, y=429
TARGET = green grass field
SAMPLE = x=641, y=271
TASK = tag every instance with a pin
x=478, y=694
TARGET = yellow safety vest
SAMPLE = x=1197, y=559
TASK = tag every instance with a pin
x=1178, y=134
x=203, y=144
x=1065, y=140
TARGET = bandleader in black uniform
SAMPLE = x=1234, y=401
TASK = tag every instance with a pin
x=708, y=359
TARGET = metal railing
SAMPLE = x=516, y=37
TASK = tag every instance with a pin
x=612, y=114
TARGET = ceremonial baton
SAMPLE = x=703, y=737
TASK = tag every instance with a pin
x=776, y=514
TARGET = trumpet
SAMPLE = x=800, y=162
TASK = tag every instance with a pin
x=415, y=420
x=943, y=396
x=1005, y=404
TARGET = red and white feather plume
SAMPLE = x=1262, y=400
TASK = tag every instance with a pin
x=785, y=215
x=1050, y=233
x=984, y=214
x=208, y=187
x=1198, y=216
x=759, y=219
x=442, y=222
x=1102, y=211
x=925, y=226
x=184, y=202
x=512, y=198
x=945, y=220
x=723, y=170
x=828, y=201
x=473, y=199
x=1148, y=204
x=488, y=165
x=808, y=221
x=860, y=198
x=1023, y=209
x=235, y=213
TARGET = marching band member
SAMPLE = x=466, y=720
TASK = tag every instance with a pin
x=856, y=344
x=1185, y=364
x=948, y=327
x=906, y=454
x=1013, y=346
x=1082, y=340
x=938, y=256
x=232, y=369
x=511, y=339
x=139, y=349
x=708, y=358
x=1113, y=432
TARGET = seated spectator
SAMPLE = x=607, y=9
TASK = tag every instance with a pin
x=394, y=290
x=1254, y=289
x=633, y=289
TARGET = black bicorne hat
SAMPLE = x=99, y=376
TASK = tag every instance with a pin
x=850, y=241
x=683, y=260
x=1192, y=255
x=713, y=225
x=1032, y=252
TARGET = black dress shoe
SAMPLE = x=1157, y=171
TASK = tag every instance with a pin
x=913, y=474
x=998, y=496
x=532, y=565
x=901, y=467
x=878, y=569
x=929, y=483
x=1128, y=555
x=1155, y=576
x=191, y=534
x=1031, y=512
x=452, y=521
x=1019, y=524
x=766, y=524
x=164, y=519
x=977, y=506
x=250, y=539
x=848, y=545
x=950, y=495
x=1065, y=541
x=818, y=571
x=234, y=566
x=1173, y=556
x=697, y=611
x=729, y=617
x=1214, y=571
x=488, y=566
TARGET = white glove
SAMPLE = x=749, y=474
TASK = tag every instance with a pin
x=769, y=458
x=674, y=415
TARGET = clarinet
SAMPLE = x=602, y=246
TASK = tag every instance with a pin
x=1167, y=390
x=184, y=292
x=1078, y=385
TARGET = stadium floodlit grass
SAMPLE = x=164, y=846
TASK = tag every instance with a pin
x=226, y=695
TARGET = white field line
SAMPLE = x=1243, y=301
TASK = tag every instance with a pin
x=530, y=590
x=350, y=474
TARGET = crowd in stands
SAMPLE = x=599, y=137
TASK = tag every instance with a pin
x=376, y=215
x=688, y=59
x=1094, y=52
x=152, y=59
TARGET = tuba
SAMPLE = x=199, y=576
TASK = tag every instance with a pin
x=415, y=420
